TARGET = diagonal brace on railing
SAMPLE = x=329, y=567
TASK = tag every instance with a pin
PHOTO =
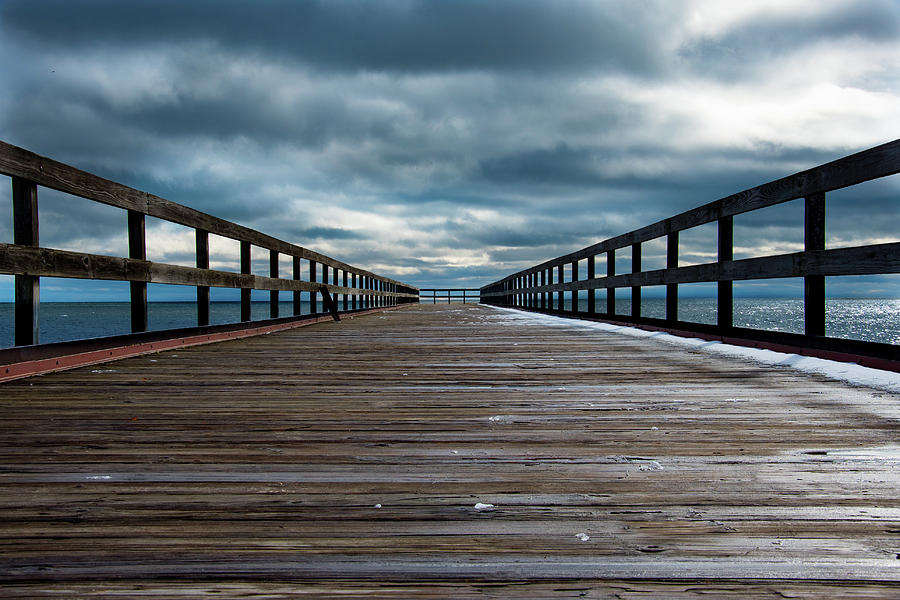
x=329, y=302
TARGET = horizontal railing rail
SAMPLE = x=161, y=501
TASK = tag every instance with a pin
x=28, y=261
x=449, y=294
x=543, y=287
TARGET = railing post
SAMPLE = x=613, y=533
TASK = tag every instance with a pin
x=324, y=281
x=635, y=289
x=202, y=238
x=346, y=296
x=298, y=295
x=273, y=294
x=28, y=287
x=725, y=309
x=313, y=301
x=526, y=296
x=532, y=296
x=574, y=292
x=592, y=293
x=355, y=298
x=611, y=272
x=814, y=285
x=672, y=288
x=137, y=248
x=246, y=269
x=548, y=297
x=561, y=297
x=334, y=281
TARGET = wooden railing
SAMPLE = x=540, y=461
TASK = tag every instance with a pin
x=542, y=287
x=449, y=294
x=29, y=262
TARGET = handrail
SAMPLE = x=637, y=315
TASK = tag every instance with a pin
x=467, y=293
x=536, y=288
x=361, y=289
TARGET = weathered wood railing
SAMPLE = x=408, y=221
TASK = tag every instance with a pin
x=449, y=294
x=543, y=288
x=29, y=262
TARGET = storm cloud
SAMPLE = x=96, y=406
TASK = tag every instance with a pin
x=449, y=143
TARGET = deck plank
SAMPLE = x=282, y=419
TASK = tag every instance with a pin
x=349, y=457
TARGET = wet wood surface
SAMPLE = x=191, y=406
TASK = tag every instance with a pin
x=447, y=451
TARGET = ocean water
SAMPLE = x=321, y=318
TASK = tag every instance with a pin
x=64, y=321
x=871, y=319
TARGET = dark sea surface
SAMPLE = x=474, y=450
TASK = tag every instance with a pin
x=872, y=319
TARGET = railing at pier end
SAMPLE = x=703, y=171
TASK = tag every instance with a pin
x=449, y=295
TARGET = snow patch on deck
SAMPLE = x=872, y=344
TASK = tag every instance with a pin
x=847, y=372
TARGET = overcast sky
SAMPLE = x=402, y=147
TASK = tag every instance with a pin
x=450, y=143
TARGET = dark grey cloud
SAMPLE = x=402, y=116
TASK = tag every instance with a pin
x=567, y=166
x=561, y=164
x=405, y=35
x=324, y=233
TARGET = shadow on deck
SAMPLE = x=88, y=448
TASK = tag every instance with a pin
x=446, y=450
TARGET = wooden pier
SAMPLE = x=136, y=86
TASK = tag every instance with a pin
x=446, y=451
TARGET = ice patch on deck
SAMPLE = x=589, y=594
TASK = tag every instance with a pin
x=848, y=372
x=653, y=465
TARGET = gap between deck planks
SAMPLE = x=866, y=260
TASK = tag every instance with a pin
x=246, y=463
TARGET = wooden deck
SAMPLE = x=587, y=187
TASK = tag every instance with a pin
x=349, y=459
